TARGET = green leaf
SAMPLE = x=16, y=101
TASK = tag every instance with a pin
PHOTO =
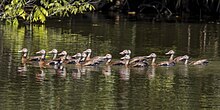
x=44, y=11
x=15, y=21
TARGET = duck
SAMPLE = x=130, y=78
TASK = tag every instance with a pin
x=42, y=62
x=171, y=53
x=77, y=59
x=25, y=58
x=54, y=60
x=97, y=60
x=123, y=61
x=54, y=52
x=138, y=59
x=170, y=62
x=198, y=62
x=63, y=58
x=24, y=52
x=125, y=52
x=59, y=61
x=164, y=63
x=88, y=53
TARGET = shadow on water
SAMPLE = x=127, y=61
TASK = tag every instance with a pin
x=27, y=86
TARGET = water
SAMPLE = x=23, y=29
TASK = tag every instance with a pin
x=178, y=87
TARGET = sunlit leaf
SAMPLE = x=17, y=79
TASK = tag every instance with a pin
x=15, y=21
x=44, y=11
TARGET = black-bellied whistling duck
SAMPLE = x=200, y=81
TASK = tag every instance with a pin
x=121, y=61
x=54, y=59
x=37, y=58
x=24, y=52
x=125, y=52
x=77, y=59
x=62, y=59
x=42, y=58
x=198, y=62
x=97, y=60
x=138, y=59
x=54, y=52
x=124, y=61
x=88, y=52
x=172, y=59
x=164, y=63
x=171, y=53
x=25, y=58
x=108, y=58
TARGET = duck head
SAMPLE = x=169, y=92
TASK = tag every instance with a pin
x=88, y=51
x=54, y=51
x=125, y=52
x=185, y=58
x=152, y=55
x=24, y=50
x=41, y=52
x=171, y=52
x=126, y=57
x=63, y=53
x=78, y=55
x=109, y=58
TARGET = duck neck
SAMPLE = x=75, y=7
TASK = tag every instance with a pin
x=153, y=61
x=108, y=62
x=88, y=56
x=24, y=55
x=186, y=62
x=62, y=58
x=126, y=63
x=171, y=57
x=78, y=61
x=43, y=56
x=82, y=59
x=54, y=56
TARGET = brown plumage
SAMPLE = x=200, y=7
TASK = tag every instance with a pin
x=124, y=61
x=198, y=62
x=97, y=60
x=24, y=52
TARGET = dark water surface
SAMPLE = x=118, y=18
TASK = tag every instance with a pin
x=178, y=87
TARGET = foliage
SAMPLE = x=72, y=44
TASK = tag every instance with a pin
x=39, y=11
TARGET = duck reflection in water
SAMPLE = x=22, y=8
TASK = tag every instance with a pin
x=22, y=69
x=106, y=71
x=61, y=71
x=124, y=73
x=40, y=76
x=151, y=72
x=76, y=73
